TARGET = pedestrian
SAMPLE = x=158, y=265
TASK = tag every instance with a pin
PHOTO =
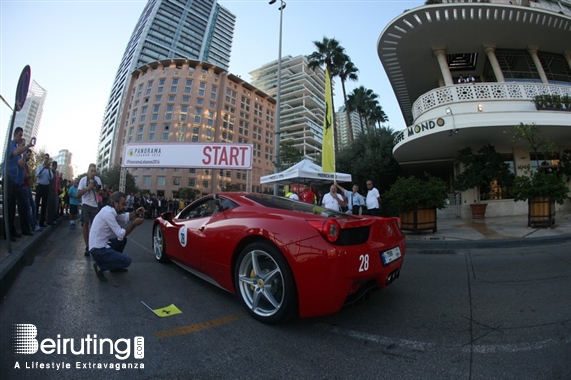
x=30, y=203
x=14, y=182
x=470, y=79
x=355, y=201
x=107, y=239
x=307, y=195
x=373, y=199
x=332, y=200
x=87, y=189
x=53, y=198
x=73, y=203
x=43, y=178
x=461, y=79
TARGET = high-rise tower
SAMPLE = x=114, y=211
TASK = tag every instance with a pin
x=194, y=29
x=30, y=115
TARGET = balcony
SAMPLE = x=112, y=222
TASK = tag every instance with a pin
x=482, y=92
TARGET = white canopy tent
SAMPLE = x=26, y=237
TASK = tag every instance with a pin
x=305, y=171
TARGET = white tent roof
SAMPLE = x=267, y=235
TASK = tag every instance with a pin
x=305, y=171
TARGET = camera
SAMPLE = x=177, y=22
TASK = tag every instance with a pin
x=95, y=184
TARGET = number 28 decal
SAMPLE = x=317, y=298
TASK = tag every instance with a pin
x=182, y=236
x=364, y=263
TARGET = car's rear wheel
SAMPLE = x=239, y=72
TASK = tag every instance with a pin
x=159, y=244
x=265, y=283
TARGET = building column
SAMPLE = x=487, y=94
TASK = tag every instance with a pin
x=533, y=51
x=567, y=55
x=491, y=53
x=440, y=54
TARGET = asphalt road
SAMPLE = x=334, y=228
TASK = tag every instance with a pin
x=453, y=314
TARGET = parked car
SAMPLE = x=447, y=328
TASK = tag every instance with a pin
x=283, y=258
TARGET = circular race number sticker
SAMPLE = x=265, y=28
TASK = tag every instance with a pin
x=182, y=237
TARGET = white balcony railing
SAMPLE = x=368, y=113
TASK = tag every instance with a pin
x=484, y=91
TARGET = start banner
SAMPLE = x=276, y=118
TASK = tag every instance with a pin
x=189, y=155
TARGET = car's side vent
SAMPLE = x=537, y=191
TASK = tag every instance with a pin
x=353, y=236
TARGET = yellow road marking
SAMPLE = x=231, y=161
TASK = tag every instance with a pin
x=189, y=329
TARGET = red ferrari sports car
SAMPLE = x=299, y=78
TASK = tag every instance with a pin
x=283, y=258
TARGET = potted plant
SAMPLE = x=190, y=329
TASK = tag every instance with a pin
x=541, y=190
x=487, y=171
x=416, y=200
x=547, y=186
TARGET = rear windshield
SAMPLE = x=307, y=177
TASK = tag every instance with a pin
x=289, y=204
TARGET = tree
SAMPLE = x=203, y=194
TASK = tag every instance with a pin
x=289, y=155
x=363, y=100
x=348, y=71
x=332, y=55
x=378, y=115
x=187, y=193
x=371, y=157
x=112, y=176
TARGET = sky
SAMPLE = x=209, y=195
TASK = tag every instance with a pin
x=74, y=49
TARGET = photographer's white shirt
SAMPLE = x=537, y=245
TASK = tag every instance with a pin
x=90, y=197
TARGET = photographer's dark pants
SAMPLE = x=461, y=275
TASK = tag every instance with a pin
x=112, y=257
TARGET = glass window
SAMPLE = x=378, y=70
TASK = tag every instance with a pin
x=172, y=98
x=197, y=119
x=187, y=90
x=168, y=116
x=176, y=181
x=204, y=183
x=160, y=181
x=189, y=82
x=151, y=136
x=155, y=116
x=174, y=80
x=192, y=170
x=147, y=180
x=186, y=99
x=200, y=92
x=160, y=90
x=165, y=136
x=173, y=88
x=158, y=98
x=202, y=85
x=161, y=82
x=191, y=182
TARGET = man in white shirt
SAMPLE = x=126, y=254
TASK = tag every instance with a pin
x=373, y=199
x=87, y=191
x=332, y=200
x=107, y=239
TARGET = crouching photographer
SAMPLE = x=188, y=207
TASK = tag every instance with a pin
x=107, y=238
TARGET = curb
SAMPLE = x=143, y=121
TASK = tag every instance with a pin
x=496, y=243
x=21, y=257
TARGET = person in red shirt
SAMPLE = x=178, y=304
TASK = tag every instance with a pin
x=307, y=195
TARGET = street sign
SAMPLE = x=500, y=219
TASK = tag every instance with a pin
x=23, y=85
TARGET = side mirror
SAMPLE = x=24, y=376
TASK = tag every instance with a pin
x=168, y=216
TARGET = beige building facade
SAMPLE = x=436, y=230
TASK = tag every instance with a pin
x=187, y=101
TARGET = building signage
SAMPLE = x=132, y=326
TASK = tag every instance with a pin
x=193, y=155
x=419, y=128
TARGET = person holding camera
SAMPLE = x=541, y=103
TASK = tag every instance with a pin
x=14, y=183
x=87, y=189
x=107, y=238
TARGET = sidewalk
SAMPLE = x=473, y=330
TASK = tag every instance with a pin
x=505, y=231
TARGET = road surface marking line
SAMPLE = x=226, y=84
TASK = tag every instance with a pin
x=189, y=329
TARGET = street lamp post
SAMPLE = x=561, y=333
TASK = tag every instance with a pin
x=278, y=97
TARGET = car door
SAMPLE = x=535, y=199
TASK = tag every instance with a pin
x=186, y=233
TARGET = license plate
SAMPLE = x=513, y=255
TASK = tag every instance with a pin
x=390, y=255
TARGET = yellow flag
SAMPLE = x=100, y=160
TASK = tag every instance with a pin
x=328, y=148
x=167, y=311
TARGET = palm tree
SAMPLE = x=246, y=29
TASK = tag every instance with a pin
x=378, y=115
x=331, y=54
x=348, y=72
x=362, y=101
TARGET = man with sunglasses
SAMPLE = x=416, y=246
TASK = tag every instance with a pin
x=43, y=177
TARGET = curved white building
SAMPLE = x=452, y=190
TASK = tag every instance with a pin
x=514, y=49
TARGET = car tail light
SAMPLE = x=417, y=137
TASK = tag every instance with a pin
x=330, y=229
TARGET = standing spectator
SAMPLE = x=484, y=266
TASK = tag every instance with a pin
x=461, y=79
x=129, y=202
x=470, y=79
x=354, y=200
x=108, y=239
x=53, y=199
x=43, y=177
x=87, y=189
x=307, y=195
x=30, y=204
x=332, y=200
x=73, y=203
x=14, y=184
x=373, y=199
